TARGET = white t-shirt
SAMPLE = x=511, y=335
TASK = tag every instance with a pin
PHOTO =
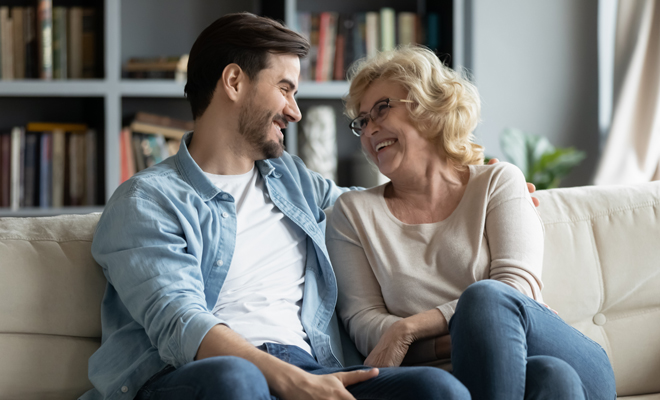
x=262, y=295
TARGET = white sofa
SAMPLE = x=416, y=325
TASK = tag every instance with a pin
x=601, y=273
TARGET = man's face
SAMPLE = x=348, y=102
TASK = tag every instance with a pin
x=270, y=106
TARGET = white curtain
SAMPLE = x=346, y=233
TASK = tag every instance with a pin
x=630, y=91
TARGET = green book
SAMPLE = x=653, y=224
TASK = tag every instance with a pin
x=59, y=43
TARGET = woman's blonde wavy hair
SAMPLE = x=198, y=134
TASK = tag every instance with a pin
x=446, y=106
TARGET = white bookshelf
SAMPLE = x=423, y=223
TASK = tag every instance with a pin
x=124, y=39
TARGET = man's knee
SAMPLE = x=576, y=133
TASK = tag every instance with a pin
x=233, y=377
x=552, y=378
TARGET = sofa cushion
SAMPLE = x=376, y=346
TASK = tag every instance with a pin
x=602, y=273
x=50, y=297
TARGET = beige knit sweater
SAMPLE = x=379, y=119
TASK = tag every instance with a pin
x=387, y=270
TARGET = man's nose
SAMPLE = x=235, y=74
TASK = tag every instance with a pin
x=292, y=111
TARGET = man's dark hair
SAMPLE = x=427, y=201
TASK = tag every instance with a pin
x=242, y=38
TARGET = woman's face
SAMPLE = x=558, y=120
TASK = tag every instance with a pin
x=393, y=143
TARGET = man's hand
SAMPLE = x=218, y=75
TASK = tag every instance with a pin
x=530, y=186
x=391, y=348
x=307, y=386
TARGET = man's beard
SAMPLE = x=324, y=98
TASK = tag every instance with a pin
x=254, y=124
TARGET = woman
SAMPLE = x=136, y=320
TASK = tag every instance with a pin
x=445, y=260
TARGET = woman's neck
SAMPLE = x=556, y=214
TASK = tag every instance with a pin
x=429, y=195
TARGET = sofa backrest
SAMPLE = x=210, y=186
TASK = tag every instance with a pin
x=50, y=296
x=602, y=273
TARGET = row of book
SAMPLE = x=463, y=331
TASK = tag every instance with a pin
x=46, y=42
x=48, y=165
x=147, y=140
x=337, y=40
x=157, y=68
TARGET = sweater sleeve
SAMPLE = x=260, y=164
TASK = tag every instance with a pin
x=515, y=234
x=360, y=301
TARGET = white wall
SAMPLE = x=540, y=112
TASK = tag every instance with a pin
x=535, y=64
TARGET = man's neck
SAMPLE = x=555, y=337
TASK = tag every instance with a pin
x=218, y=148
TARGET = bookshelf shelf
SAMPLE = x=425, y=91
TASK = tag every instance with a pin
x=322, y=90
x=46, y=212
x=151, y=88
x=67, y=88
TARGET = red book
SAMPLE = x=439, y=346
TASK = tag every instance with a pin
x=127, y=159
x=324, y=22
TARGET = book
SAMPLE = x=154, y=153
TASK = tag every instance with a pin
x=313, y=45
x=51, y=126
x=433, y=31
x=6, y=44
x=45, y=38
x=347, y=26
x=75, y=164
x=152, y=68
x=18, y=18
x=59, y=146
x=17, y=168
x=407, y=28
x=359, y=36
x=91, y=165
x=387, y=29
x=340, y=49
x=140, y=163
x=75, y=43
x=164, y=121
x=46, y=170
x=372, y=33
x=30, y=181
x=126, y=155
x=168, y=132
x=88, y=43
x=31, y=43
x=60, y=43
x=304, y=27
x=5, y=169
x=326, y=54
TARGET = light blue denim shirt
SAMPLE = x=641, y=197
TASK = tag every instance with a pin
x=165, y=242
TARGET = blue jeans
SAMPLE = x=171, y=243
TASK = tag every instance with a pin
x=234, y=378
x=508, y=346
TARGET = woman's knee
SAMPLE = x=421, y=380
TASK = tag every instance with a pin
x=233, y=377
x=552, y=378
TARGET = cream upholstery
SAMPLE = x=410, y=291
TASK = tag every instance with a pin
x=601, y=273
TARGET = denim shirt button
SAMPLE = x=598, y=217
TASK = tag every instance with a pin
x=225, y=215
x=219, y=263
x=124, y=389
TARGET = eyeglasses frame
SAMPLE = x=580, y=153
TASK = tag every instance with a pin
x=369, y=114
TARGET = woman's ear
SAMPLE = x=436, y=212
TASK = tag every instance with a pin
x=232, y=81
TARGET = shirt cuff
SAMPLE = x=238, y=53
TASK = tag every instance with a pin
x=194, y=333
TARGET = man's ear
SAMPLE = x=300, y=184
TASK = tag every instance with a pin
x=232, y=81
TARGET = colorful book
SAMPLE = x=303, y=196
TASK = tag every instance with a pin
x=126, y=155
x=75, y=43
x=30, y=182
x=327, y=37
x=387, y=29
x=168, y=132
x=17, y=168
x=91, y=168
x=165, y=121
x=5, y=169
x=340, y=49
x=314, y=45
x=45, y=38
x=58, y=160
x=46, y=170
x=18, y=18
x=60, y=43
x=359, y=36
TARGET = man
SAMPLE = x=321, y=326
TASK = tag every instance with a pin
x=219, y=283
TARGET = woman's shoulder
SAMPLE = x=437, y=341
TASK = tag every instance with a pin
x=358, y=199
x=502, y=180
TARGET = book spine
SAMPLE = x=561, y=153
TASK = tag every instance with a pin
x=5, y=170
x=30, y=177
x=59, y=143
x=387, y=29
x=17, y=152
x=75, y=45
x=359, y=36
x=6, y=44
x=330, y=42
x=91, y=165
x=314, y=45
x=59, y=43
x=348, y=27
x=324, y=20
x=433, y=31
x=18, y=17
x=407, y=30
x=140, y=162
x=88, y=43
x=30, y=37
x=45, y=36
x=372, y=33
x=304, y=22
x=76, y=161
x=46, y=167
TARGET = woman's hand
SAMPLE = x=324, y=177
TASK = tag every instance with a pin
x=391, y=348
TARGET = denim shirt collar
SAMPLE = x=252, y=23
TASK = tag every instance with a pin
x=196, y=177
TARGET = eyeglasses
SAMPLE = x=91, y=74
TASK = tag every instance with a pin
x=377, y=113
